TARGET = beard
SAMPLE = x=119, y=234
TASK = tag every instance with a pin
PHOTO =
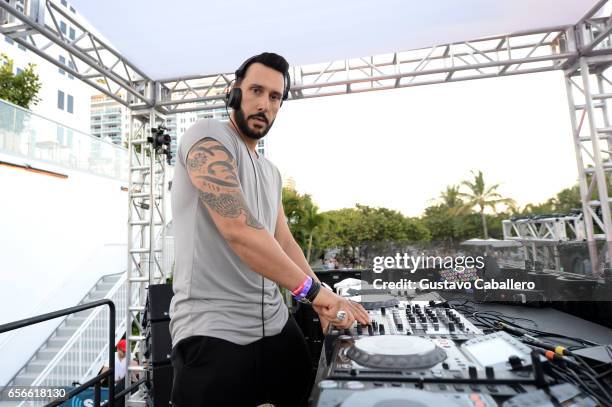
x=243, y=126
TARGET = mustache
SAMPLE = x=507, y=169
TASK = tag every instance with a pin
x=259, y=116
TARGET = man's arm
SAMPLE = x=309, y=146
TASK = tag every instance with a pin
x=287, y=242
x=213, y=171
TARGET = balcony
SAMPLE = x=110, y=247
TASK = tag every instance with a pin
x=28, y=135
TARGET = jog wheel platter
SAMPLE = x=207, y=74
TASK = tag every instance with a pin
x=403, y=352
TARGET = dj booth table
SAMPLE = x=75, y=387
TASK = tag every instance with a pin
x=553, y=320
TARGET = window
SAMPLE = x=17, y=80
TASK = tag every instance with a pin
x=60, y=100
x=60, y=135
x=72, y=34
x=71, y=65
x=63, y=62
x=70, y=106
x=63, y=27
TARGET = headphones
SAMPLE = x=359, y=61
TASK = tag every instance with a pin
x=233, y=98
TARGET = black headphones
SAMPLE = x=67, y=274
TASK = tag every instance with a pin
x=233, y=98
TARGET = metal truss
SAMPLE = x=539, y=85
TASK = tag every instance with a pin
x=589, y=90
x=146, y=231
x=545, y=229
x=528, y=52
x=90, y=58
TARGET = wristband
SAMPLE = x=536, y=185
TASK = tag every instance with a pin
x=305, y=287
x=313, y=292
x=300, y=287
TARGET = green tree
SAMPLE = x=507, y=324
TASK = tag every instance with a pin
x=22, y=88
x=450, y=197
x=304, y=219
x=482, y=196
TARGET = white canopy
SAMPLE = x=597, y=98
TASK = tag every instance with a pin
x=189, y=37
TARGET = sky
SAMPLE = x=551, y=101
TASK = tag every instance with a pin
x=400, y=148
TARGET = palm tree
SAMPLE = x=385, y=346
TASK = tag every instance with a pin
x=482, y=196
x=313, y=221
x=450, y=197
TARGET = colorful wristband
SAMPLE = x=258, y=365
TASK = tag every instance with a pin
x=300, y=287
x=305, y=288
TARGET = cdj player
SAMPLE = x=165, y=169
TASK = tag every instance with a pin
x=420, y=352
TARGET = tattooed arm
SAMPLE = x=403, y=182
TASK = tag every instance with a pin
x=213, y=171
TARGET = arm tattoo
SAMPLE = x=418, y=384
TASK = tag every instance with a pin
x=214, y=166
x=230, y=206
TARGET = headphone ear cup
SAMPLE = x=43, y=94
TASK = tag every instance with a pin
x=234, y=97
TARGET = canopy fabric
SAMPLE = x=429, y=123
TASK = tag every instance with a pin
x=177, y=39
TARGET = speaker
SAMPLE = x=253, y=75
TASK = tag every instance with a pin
x=158, y=303
x=159, y=343
x=159, y=382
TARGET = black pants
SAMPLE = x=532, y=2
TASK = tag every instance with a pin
x=210, y=371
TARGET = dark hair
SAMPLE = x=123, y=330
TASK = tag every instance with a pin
x=269, y=59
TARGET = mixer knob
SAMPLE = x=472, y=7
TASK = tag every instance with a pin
x=381, y=329
x=375, y=325
x=383, y=311
x=461, y=326
x=359, y=329
x=473, y=372
x=451, y=327
x=436, y=326
x=400, y=326
x=370, y=330
x=490, y=372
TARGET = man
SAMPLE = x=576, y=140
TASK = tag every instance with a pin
x=233, y=341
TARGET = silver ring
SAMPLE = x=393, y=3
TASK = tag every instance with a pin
x=341, y=315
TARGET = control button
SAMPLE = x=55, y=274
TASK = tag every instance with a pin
x=359, y=329
x=383, y=311
x=400, y=327
x=451, y=327
x=461, y=326
x=354, y=385
x=490, y=372
x=328, y=384
x=472, y=372
x=370, y=330
x=515, y=362
x=445, y=366
x=436, y=326
x=381, y=329
x=379, y=384
x=394, y=384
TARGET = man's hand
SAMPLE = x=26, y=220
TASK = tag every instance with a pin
x=327, y=305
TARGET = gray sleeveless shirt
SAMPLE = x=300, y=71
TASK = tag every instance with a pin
x=216, y=293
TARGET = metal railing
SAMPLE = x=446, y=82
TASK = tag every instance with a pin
x=28, y=135
x=85, y=349
x=95, y=381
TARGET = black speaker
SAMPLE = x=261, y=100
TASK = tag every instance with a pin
x=160, y=385
x=159, y=343
x=158, y=303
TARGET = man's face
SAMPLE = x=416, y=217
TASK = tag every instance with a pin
x=262, y=93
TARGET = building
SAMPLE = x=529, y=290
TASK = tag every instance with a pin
x=110, y=120
x=63, y=98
